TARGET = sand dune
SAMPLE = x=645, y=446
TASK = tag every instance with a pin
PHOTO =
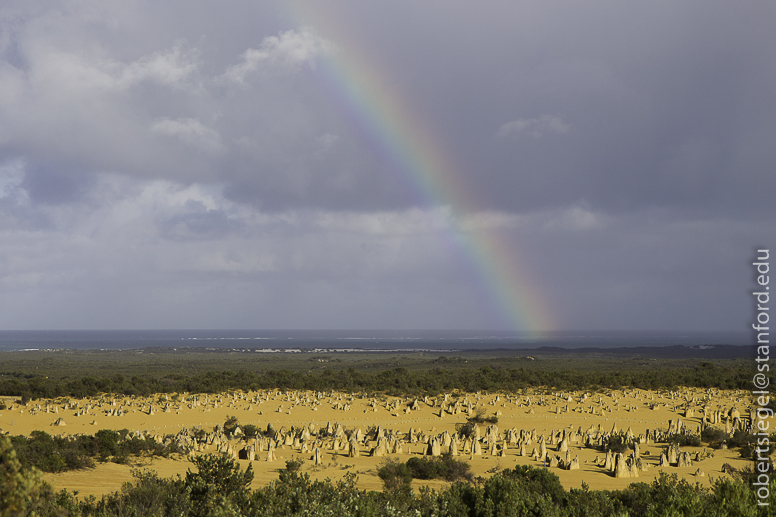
x=305, y=421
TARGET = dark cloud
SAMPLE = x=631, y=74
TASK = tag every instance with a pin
x=656, y=99
x=54, y=185
x=208, y=162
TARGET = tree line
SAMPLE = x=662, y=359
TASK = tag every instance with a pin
x=395, y=381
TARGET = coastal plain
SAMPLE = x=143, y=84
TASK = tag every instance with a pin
x=305, y=424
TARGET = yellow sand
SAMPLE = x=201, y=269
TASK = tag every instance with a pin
x=638, y=410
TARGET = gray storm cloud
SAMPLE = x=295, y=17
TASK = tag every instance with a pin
x=188, y=166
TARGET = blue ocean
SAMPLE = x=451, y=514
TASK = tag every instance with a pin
x=354, y=340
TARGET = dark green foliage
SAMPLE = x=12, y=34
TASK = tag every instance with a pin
x=669, y=495
x=616, y=443
x=713, y=436
x=740, y=439
x=752, y=446
x=22, y=490
x=589, y=503
x=219, y=472
x=56, y=454
x=218, y=483
x=146, y=375
x=538, y=480
x=684, y=440
x=524, y=491
x=230, y=425
x=148, y=495
x=424, y=468
x=746, y=442
x=733, y=497
x=251, y=431
x=440, y=467
x=107, y=442
x=295, y=494
x=293, y=465
x=396, y=476
x=466, y=430
x=504, y=495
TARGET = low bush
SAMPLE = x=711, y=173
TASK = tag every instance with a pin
x=684, y=440
x=251, y=431
x=218, y=483
x=293, y=465
x=616, y=443
x=396, y=476
x=713, y=436
x=230, y=425
x=445, y=467
x=752, y=446
x=58, y=454
x=466, y=430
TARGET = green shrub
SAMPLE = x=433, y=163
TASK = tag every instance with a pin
x=684, y=440
x=537, y=480
x=22, y=489
x=617, y=443
x=107, y=442
x=57, y=454
x=466, y=430
x=251, y=431
x=396, y=476
x=740, y=439
x=218, y=482
x=230, y=425
x=294, y=464
x=424, y=467
x=713, y=436
x=440, y=467
x=148, y=495
x=748, y=445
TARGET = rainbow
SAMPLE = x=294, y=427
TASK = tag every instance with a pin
x=355, y=84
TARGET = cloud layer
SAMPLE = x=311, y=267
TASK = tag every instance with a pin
x=162, y=170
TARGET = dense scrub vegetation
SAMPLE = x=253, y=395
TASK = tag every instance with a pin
x=57, y=454
x=396, y=474
x=220, y=487
x=684, y=439
x=442, y=377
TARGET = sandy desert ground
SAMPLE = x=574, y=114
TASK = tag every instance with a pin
x=409, y=424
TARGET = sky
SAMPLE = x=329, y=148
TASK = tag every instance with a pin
x=515, y=165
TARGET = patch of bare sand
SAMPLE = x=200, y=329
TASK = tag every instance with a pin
x=543, y=414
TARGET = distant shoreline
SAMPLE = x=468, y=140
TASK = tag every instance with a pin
x=667, y=351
